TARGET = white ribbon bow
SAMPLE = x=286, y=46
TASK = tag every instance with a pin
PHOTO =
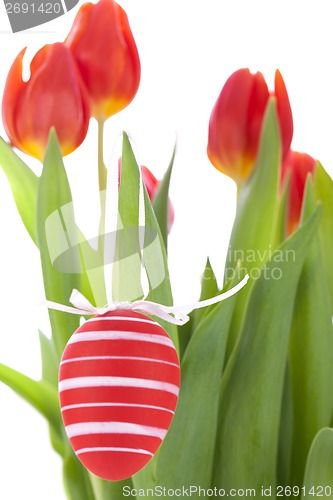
x=177, y=315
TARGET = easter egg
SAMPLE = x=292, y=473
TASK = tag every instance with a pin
x=118, y=385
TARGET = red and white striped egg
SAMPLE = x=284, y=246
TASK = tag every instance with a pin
x=118, y=383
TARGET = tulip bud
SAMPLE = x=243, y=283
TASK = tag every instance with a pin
x=54, y=96
x=104, y=48
x=236, y=122
x=297, y=166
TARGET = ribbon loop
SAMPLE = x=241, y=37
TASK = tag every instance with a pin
x=177, y=315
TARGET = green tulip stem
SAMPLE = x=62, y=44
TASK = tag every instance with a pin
x=96, y=276
x=102, y=174
x=239, y=194
x=101, y=165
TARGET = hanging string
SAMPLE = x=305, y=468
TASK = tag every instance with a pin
x=177, y=315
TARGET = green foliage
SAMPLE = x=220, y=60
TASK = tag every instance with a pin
x=252, y=390
x=127, y=273
x=256, y=400
x=76, y=479
x=40, y=394
x=318, y=479
x=311, y=352
x=56, y=229
x=24, y=185
x=323, y=185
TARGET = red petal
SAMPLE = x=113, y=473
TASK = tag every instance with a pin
x=13, y=88
x=299, y=165
x=284, y=113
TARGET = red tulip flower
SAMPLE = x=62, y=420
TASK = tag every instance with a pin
x=54, y=96
x=236, y=122
x=104, y=48
x=297, y=166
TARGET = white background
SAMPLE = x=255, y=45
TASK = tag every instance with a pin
x=188, y=49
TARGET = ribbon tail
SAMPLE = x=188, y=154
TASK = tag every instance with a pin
x=61, y=307
x=213, y=300
x=175, y=315
x=166, y=313
x=80, y=302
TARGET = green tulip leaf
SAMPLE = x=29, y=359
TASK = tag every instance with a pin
x=254, y=230
x=127, y=277
x=50, y=363
x=109, y=490
x=92, y=275
x=286, y=420
x=324, y=193
x=282, y=217
x=318, y=479
x=50, y=367
x=156, y=265
x=56, y=234
x=185, y=335
x=39, y=394
x=286, y=433
x=209, y=288
x=161, y=201
x=76, y=478
x=311, y=354
x=24, y=185
x=252, y=389
x=127, y=267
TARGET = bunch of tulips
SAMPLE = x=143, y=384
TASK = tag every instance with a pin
x=255, y=408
